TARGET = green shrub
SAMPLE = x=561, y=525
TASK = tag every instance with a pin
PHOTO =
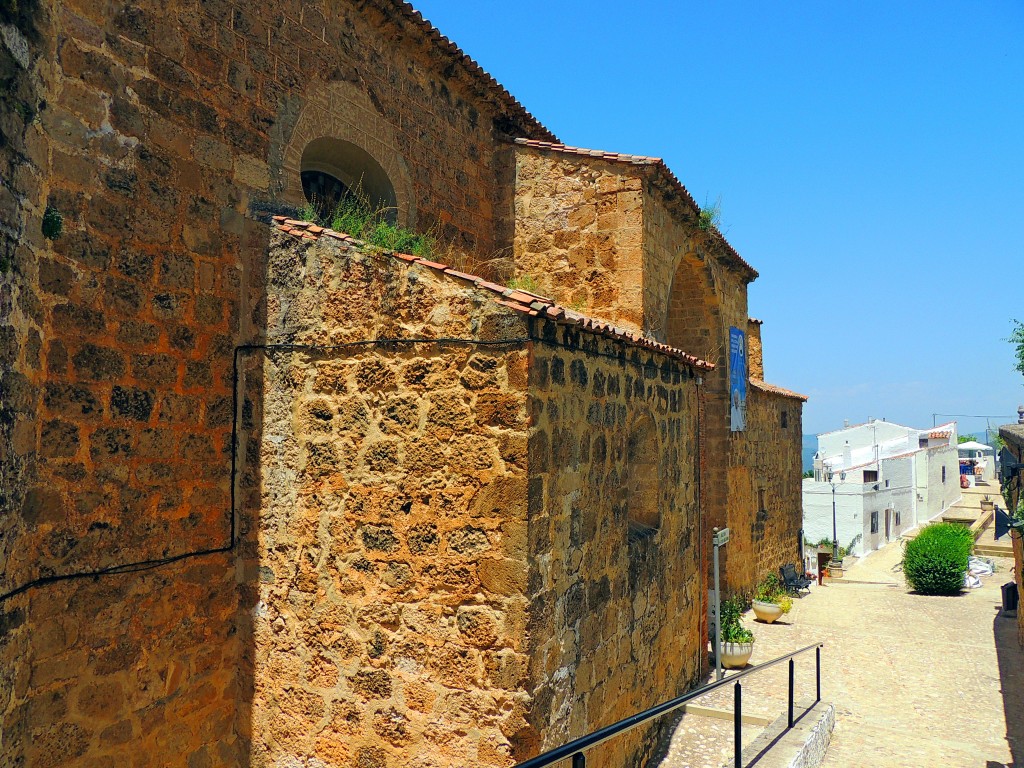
x=936, y=561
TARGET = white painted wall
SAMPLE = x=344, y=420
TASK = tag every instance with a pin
x=910, y=483
x=817, y=498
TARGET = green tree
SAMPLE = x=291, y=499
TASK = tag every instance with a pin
x=1017, y=340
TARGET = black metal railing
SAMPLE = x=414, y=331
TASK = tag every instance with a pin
x=577, y=748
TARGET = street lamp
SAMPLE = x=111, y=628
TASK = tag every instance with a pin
x=835, y=534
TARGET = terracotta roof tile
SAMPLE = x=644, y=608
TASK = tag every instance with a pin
x=462, y=275
x=530, y=304
x=658, y=167
x=939, y=434
x=432, y=264
x=766, y=387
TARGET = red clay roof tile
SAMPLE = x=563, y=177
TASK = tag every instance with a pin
x=432, y=264
x=462, y=275
x=766, y=387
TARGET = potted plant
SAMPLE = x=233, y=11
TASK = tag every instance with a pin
x=987, y=505
x=770, y=599
x=737, y=640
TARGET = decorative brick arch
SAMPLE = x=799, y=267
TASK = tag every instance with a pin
x=693, y=318
x=343, y=112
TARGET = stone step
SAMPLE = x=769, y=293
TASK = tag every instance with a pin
x=993, y=549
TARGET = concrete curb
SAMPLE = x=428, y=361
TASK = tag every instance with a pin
x=816, y=744
x=802, y=746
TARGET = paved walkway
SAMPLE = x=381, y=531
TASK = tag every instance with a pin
x=916, y=680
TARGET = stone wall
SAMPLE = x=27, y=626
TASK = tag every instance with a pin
x=390, y=542
x=602, y=236
x=22, y=159
x=578, y=233
x=159, y=133
x=765, y=512
x=755, y=352
x=696, y=295
x=615, y=578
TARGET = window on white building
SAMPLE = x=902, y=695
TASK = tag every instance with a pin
x=870, y=475
x=897, y=517
x=943, y=473
x=874, y=522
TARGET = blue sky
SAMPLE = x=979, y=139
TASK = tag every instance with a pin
x=869, y=157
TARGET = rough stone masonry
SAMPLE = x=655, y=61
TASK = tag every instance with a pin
x=218, y=550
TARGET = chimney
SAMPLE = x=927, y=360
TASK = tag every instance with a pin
x=755, y=357
x=847, y=455
x=846, y=423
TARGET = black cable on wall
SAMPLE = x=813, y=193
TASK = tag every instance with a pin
x=145, y=565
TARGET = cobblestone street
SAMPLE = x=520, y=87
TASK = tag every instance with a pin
x=916, y=680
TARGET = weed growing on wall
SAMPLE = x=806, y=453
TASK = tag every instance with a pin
x=524, y=283
x=354, y=215
x=710, y=216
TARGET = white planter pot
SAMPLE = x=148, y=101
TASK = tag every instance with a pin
x=736, y=655
x=766, y=612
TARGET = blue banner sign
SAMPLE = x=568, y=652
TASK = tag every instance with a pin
x=737, y=380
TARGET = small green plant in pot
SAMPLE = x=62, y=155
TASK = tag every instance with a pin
x=770, y=599
x=737, y=640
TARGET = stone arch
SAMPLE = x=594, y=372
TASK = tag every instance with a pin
x=642, y=480
x=693, y=318
x=337, y=126
x=333, y=169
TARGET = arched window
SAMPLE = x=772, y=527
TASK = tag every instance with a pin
x=334, y=170
x=642, y=479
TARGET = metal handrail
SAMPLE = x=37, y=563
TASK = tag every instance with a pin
x=576, y=748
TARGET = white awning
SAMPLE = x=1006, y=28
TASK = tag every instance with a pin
x=973, y=445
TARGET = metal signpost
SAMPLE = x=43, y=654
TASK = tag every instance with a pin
x=719, y=539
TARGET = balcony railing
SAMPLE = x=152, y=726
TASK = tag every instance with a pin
x=578, y=748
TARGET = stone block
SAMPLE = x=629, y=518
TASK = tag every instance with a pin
x=132, y=403
x=58, y=439
x=97, y=363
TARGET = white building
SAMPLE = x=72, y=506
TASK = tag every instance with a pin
x=885, y=479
